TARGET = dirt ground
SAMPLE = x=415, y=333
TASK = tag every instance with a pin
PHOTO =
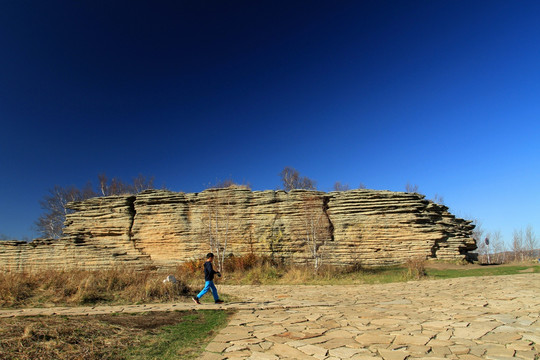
x=75, y=337
x=148, y=321
x=440, y=265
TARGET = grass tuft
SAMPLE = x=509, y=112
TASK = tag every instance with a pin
x=416, y=267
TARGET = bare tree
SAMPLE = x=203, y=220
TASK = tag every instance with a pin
x=478, y=230
x=113, y=186
x=530, y=242
x=116, y=186
x=291, y=179
x=517, y=245
x=275, y=240
x=229, y=183
x=315, y=228
x=410, y=188
x=216, y=223
x=141, y=183
x=491, y=247
x=487, y=243
x=222, y=184
x=498, y=248
x=438, y=199
x=362, y=186
x=338, y=186
x=477, y=234
x=51, y=223
x=103, y=184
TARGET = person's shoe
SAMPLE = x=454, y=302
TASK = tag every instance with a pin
x=219, y=301
x=196, y=300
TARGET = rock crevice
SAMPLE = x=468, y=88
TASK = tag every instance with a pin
x=326, y=200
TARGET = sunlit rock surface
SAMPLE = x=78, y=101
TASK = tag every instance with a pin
x=159, y=228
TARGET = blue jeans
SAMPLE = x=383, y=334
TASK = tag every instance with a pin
x=209, y=285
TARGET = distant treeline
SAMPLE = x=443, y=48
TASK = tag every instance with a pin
x=493, y=250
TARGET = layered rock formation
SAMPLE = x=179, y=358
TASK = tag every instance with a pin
x=97, y=236
x=162, y=229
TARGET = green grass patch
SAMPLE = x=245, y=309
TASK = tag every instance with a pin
x=482, y=271
x=184, y=340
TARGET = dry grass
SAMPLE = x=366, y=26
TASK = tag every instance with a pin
x=78, y=287
x=152, y=335
x=256, y=270
x=121, y=286
x=235, y=268
x=63, y=338
x=416, y=267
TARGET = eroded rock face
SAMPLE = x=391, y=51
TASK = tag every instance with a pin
x=97, y=236
x=163, y=228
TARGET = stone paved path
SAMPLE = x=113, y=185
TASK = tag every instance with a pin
x=468, y=318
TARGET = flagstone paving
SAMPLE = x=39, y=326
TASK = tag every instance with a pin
x=466, y=319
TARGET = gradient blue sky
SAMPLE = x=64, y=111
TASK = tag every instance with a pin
x=442, y=94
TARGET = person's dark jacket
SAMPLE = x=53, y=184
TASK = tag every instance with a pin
x=209, y=271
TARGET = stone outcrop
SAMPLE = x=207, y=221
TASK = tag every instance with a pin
x=158, y=228
x=97, y=236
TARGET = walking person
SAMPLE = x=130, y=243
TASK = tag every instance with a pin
x=209, y=280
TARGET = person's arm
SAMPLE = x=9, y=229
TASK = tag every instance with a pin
x=216, y=272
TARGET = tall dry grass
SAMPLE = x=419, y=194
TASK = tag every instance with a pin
x=251, y=269
x=416, y=267
x=122, y=285
x=78, y=287
x=234, y=267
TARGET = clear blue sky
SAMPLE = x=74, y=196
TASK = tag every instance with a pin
x=442, y=94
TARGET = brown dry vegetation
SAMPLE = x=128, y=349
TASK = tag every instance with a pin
x=122, y=286
x=56, y=337
x=79, y=287
x=255, y=270
x=416, y=267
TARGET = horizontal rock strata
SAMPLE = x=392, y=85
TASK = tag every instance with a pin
x=97, y=236
x=163, y=228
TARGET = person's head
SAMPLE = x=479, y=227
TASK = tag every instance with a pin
x=209, y=257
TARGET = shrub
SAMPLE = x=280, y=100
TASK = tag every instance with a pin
x=191, y=267
x=241, y=263
x=15, y=288
x=416, y=267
